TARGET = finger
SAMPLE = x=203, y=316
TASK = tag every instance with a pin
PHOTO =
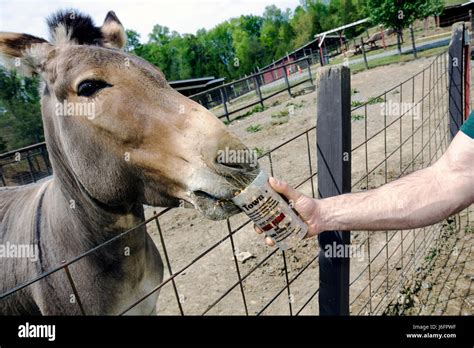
x=282, y=187
x=269, y=241
x=257, y=229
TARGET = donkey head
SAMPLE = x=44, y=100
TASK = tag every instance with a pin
x=115, y=128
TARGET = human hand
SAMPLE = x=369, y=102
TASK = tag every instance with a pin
x=306, y=207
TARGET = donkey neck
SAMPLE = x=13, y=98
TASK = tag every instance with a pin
x=80, y=215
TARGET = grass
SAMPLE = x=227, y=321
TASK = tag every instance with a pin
x=280, y=117
x=255, y=109
x=357, y=117
x=296, y=105
x=406, y=57
x=431, y=255
x=355, y=103
x=453, y=2
x=419, y=39
x=254, y=128
x=375, y=100
x=259, y=151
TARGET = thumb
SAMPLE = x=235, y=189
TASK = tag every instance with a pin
x=283, y=188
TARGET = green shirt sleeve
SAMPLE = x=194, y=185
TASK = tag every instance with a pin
x=468, y=126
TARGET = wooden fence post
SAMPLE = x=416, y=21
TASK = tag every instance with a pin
x=456, y=73
x=334, y=177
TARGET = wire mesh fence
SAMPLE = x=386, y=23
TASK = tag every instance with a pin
x=409, y=126
x=24, y=166
x=233, y=100
x=230, y=272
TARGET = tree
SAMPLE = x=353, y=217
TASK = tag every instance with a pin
x=133, y=40
x=277, y=34
x=396, y=14
x=20, y=117
x=431, y=8
x=246, y=42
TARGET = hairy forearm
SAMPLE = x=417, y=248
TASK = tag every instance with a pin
x=419, y=199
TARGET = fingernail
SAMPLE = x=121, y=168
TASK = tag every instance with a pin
x=274, y=181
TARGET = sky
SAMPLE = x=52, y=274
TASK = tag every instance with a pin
x=183, y=16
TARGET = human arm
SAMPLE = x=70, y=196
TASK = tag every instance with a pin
x=418, y=199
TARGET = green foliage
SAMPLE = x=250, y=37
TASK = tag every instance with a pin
x=431, y=254
x=399, y=14
x=241, y=45
x=254, y=128
x=280, y=117
x=372, y=100
x=375, y=100
x=231, y=49
x=259, y=151
x=255, y=109
x=357, y=117
x=20, y=114
x=133, y=40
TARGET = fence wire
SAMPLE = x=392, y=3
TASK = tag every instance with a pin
x=24, y=166
x=231, y=272
x=408, y=124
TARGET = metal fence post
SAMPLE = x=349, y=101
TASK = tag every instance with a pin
x=412, y=35
x=363, y=52
x=334, y=178
x=456, y=73
x=224, y=102
x=30, y=167
x=257, y=89
x=309, y=72
x=2, y=177
x=288, y=87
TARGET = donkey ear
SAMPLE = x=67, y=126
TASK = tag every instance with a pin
x=23, y=52
x=113, y=32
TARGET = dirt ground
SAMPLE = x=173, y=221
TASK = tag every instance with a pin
x=187, y=235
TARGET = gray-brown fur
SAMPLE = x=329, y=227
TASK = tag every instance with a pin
x=95, y=193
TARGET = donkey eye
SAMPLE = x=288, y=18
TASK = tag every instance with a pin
x=88, y=88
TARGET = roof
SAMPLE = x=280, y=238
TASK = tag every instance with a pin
x=192, y=81
x=459, y=5
x=353, y=24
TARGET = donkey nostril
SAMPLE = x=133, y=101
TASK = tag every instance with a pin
x=238, y=166
x=236, y=160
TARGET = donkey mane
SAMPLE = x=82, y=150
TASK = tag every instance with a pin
x=70, y=24
x=133, y=151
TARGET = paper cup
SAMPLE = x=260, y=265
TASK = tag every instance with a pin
x=271, y=213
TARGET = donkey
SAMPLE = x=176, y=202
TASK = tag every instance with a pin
x=145, y=144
